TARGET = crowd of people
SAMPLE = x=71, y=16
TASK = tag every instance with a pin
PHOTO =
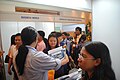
x=29, y=59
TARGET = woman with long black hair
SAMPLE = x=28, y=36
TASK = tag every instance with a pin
x=32, y=64
x=94, y=59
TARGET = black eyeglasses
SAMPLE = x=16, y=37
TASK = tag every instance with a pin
x=82, y=56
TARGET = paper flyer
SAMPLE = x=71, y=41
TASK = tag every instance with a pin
x=57, y=53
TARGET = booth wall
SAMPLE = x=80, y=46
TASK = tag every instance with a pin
x=106, y=28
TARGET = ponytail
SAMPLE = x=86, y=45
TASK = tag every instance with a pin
x=28, y=36
x=21, y=58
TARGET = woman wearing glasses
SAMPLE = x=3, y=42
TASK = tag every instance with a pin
x=94, y=59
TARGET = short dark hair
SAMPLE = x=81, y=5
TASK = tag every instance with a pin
x=13, y=40
x=65, y=33
x=18, y=34
x=53, y=32
x=68, y=34
x=41, y=33
x=78, y=28
x=58, y=34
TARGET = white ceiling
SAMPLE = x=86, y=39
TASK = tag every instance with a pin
x=72, y=4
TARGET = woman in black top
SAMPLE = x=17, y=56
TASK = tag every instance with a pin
x=94, y=59
x=51, y=43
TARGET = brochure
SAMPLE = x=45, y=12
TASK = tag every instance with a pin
x=57, y=52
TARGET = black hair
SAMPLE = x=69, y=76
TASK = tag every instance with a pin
x=52, y=35
x=28, y=36
x=78, y=28
x=13, y=40
x=48, y=46
x=41, y=33
x=66, y=34
x=53, y=32
x=58, y=34
x=70, y=38
x=103, y=71
x=18, y=34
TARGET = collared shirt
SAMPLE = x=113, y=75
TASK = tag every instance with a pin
x=37, y=65
x=66, y=43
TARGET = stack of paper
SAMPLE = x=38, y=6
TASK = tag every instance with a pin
x=57, y=53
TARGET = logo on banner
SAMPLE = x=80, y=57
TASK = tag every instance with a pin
x=29, y=17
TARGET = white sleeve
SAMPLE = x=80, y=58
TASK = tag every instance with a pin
x=43, y=62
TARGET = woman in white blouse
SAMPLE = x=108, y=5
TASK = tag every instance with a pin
x=31, y=64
